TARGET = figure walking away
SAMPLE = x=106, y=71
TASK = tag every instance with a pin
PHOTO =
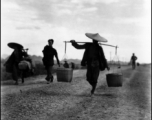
x=66, y=65
x=93, y=58
x=133, y=61
x=72, y=65
x=48, y=60
x=13, y=61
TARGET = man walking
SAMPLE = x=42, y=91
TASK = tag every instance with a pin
x=48, y=60
x=133, y=61
x=93, y=58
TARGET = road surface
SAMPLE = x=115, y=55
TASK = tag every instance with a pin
x=36, y=100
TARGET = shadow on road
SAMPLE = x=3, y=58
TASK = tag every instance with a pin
x=108, y=95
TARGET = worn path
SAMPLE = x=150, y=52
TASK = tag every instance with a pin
x=36, y=100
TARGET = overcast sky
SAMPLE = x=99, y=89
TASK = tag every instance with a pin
x=126, y=23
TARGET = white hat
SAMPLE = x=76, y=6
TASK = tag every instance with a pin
x=96, y=36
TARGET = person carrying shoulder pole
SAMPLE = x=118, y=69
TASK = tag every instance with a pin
x=93, y=58
x=48, y=60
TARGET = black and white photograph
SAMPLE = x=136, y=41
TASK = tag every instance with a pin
x=75, y=59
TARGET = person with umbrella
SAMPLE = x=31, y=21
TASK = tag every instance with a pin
x=93, y=58
x=13, y=61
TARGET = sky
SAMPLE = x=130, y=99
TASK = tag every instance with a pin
x=124, y=23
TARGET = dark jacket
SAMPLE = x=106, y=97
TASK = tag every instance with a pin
x=14, y=59
x=49, y=53
x=133, y=58
x=85, y=60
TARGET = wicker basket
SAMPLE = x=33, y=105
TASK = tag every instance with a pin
x=64, y=74
x=114, y=80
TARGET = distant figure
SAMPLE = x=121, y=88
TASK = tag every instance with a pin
x=72, y=65
x=93, y=58
x=138, y=64
x=133, y=61
x=48, y=60
x=13, y=61
x=66, y=65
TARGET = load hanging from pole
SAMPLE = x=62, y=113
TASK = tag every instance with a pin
x=65, y=47
x=65, y=56
x=114, y=79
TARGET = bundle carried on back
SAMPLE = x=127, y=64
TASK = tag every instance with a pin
x=24, y=65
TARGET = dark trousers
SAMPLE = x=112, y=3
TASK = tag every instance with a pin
x=15, y=72
x=92, y=73
x=49, y=73
x=133, y=65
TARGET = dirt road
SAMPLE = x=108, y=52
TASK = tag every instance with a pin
x=36, y=100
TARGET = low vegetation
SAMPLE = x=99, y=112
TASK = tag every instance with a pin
x=39, y=67
x=39, y=70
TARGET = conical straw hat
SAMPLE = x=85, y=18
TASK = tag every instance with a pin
x=96, y=36
x=14, y=45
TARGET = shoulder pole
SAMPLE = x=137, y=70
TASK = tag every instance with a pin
x=91, y=42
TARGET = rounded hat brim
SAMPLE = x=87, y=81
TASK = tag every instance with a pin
x=96, y=36
x=15, y=45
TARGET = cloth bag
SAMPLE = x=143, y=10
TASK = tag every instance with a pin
x=24, y=65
